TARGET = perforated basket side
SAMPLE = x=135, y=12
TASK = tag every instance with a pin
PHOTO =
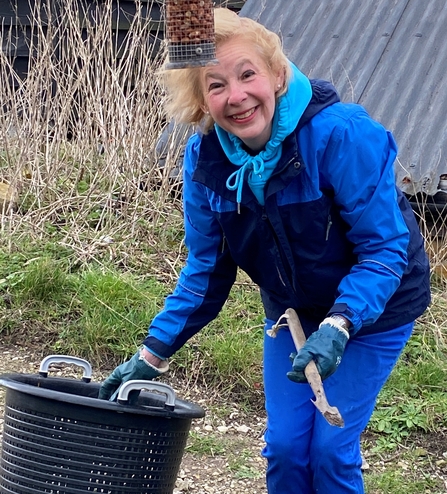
x=61, y=448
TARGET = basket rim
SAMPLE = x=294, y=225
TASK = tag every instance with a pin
x=183, y=409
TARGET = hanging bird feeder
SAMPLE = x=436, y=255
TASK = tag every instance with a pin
x=190, y=33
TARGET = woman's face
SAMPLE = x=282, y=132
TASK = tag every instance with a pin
x=239, y=92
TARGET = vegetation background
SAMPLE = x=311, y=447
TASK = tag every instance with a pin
x=91, y=239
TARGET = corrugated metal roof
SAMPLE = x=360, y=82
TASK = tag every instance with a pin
x=388, y=55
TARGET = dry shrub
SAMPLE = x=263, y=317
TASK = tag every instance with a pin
x=78, y=134
x=431, y=212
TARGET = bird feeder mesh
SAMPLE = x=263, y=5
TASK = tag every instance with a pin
x=190, y=33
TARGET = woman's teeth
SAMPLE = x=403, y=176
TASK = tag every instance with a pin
x=241, y=116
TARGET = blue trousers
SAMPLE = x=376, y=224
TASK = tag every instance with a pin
x=306, y=455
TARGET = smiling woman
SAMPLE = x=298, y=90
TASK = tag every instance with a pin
x=297, y=189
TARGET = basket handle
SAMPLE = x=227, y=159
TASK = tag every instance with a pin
x=66, y=359
x=138, y=385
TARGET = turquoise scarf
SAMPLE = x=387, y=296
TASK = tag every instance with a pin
x=289, y=109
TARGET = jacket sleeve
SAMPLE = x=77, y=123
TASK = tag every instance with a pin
x=207, y=277
x=359, y=166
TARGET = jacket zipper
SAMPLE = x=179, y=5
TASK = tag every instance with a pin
x=280, y=277
x=266, y=218
x=329, y=224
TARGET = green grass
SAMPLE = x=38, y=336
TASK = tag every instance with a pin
x=101, y=311
x=397, y=481
x=227, y=354
x=241, y=467
x=414, y=398
x=95, y=312
x=206, y=444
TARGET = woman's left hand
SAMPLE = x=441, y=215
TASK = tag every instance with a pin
x=325, y=347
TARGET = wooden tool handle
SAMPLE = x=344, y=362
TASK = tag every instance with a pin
x=296, y=330
x=331, y=414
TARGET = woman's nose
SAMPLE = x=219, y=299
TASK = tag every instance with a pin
x=236, y=94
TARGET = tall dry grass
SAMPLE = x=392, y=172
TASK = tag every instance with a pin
x=78, y=134
x=431, y=212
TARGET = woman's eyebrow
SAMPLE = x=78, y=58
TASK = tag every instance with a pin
x=216, y=75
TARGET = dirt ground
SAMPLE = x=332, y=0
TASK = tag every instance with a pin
x=223, y=452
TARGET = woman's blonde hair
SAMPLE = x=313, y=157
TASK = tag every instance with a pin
x=185, y=100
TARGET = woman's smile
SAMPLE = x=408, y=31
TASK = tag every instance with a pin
x=245, y=115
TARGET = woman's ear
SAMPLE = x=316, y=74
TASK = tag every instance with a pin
x=280, y=80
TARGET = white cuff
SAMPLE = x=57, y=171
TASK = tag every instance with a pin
x=164, y=364
x=336, y=323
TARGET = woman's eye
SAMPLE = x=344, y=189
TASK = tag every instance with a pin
x=248, y=74
x=214, y=85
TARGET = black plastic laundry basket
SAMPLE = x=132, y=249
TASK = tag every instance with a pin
x=59, y=438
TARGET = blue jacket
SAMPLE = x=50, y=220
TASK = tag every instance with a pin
x=335, y=234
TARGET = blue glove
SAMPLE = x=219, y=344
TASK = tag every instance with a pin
x=325, y=347
x=134, y=369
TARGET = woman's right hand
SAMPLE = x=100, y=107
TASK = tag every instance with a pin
x=142, y=366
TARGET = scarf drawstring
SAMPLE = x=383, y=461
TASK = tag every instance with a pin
x=236, y=180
